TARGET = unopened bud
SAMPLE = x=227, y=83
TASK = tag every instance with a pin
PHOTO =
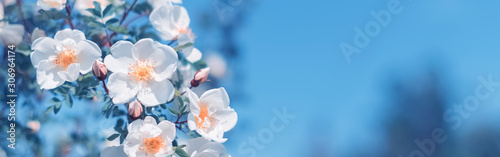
x=135, y=109
x=200, y=77
x=99, y=70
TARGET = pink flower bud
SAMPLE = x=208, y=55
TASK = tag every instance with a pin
x=135, y=109
x=200, y=77
x=99, y=70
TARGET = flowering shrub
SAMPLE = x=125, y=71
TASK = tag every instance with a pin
x=96, y=51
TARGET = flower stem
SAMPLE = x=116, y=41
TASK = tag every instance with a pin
x=25, y=24
x=105, y=88
x=69, y=20
x=125, y=14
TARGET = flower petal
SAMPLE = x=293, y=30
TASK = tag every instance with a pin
x=121, y=57
x=193, y=56
x=48, y=78
x=195, y=144
x=227, y=118
x=164, y=58
x=43, y=48
x=216, y=98
x=121, y=88
x=161, y=20
x=180, y=17
x=76, y=35
x=168, y=130
x=193, y=102
x=71, y=74
x=156, y=92
x=88, y=54
x=192, y=121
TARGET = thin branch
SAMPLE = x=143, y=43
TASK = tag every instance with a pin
x=69, y=20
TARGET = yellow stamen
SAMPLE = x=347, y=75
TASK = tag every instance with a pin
x=65, y=58
x=183, y=30
x=152, y=145
x=200, y=119
x=141, y=70
x=53, y=4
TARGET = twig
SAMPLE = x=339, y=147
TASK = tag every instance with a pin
x=105, y=88
x=25, y=24
x=69, y=20
x=125, y=14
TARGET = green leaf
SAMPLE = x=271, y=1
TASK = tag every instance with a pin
x=111, y=21
x=57, y=107
x=69, y=100
x=54, y=100
x=193, y=134
x=179, y=151
x=94, y=11
x=142, y=7
x=122, y=138
x=163, y=106
x=180, y=47
x=118, y=29
x=97, y=6
x=113, y=137
x=174, y=112
x=107, y=11
x=200, y=65
x=49, y=109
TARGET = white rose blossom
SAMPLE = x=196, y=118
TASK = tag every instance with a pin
x=63, y=57
x=210, y=114
x=10, y=34
x=147, y=138
x=49, y=4
x=141, y=70
x=191, y=53
x=201, y=147
x=159, y=3
x=170, y=21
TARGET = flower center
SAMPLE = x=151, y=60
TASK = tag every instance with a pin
x=200, y=119
x=183, y=30
x=53, y=4
x=152, y=145
x=65, y=58
x=141, y=70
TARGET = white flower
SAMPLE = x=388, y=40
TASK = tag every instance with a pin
x=37, y=33
x=146, y=138
x=113, y=151
x=10, y=34
x=49, y=4
x=63, y=58
x=201, y=147
x=210, y=114
x=191, y=53
x=159, y=3
x=183, y=76
x=170, y=21
x=141, y=70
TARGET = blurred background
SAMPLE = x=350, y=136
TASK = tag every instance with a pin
x=297, y=92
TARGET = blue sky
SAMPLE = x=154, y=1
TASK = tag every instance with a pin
x=292, y=59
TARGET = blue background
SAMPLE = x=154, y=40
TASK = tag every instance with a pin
x=291, y=59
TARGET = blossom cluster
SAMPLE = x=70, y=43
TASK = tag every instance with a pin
x=144, y=71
